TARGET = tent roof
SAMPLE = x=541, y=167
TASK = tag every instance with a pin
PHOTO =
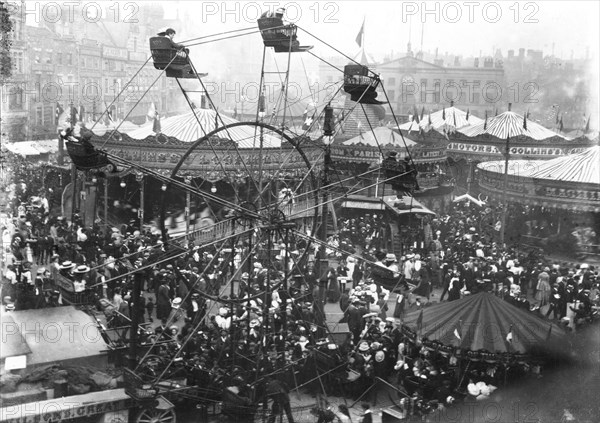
x=580, y=168
x=452, y=114
x=380, y=136
x=483, y=321
x=13, y=343
x=56, y=334
x=469, y=198
x=33, y=148
x=185, y=128
x=125, y=127
x=509, y=124
x=405, y=205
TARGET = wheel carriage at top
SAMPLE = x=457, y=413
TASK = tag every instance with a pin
x=279, y=35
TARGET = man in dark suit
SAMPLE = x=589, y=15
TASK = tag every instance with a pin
x=278, y=391
x=170, y=33
x=354, y=319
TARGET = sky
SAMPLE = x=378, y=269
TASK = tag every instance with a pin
x=462, y=27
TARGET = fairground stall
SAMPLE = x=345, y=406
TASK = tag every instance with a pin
x=553, y=204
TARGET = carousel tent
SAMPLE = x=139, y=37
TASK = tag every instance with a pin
x=485, y=322
x=186, y=128
x=379, y=137
x=445, y=120
x=509, y=124
x=571, y=181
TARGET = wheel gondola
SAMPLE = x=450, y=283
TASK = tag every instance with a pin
x=361, y=86
x=275, y=33
x=175, y=63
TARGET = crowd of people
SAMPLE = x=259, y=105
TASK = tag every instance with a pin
x=220, y=312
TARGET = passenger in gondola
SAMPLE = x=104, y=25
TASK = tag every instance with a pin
x=278, y=13
x=169, y=33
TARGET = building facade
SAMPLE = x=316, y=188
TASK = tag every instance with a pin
x=84, y=65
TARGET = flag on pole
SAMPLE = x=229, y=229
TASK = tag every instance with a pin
x=109, y=114
x=549, y=333
x=416, y=116
x=151, y=115
x=235, y=112
x=587, y=124
x=422, y=112
x=561, y=127
x=509, y=335
x=81, y=113
x=525, y=121
x=359, y=36
x=467, y=117
x=458, y=331
x=59, y=111
x=444, y=113
x=485, y=122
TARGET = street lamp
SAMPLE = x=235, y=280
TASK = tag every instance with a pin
x=123, y=184
x=213, y=189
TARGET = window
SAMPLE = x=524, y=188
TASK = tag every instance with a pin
x=15, y=99
x=392, y=95
x=423, y=91
x=39, y=116
x=17, y=61
x=329, y=78
x=69, y=59
x=437, y=91
x=59, y=58
x=391, y=82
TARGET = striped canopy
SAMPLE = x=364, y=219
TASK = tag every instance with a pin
x=580, y=168
x=185, y=127
x=483, y=321
x=448, y=120
x=380, y=136
x=509, y=124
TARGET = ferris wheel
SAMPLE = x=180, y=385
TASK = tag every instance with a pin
x=257, y=192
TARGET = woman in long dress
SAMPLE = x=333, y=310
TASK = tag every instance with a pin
x=543, y=287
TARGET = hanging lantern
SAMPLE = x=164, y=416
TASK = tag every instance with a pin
x=329, y=123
